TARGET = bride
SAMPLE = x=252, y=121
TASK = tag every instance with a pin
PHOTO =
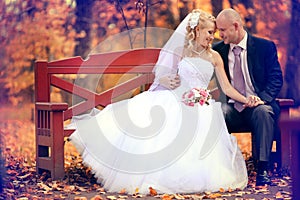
x=162, y=139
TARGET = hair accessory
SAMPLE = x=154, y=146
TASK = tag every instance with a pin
x=194, y=19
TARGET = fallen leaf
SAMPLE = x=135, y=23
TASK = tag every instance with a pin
x=122, y=196
x=24, y=176
x=97, y=197
x=111, y=197
x=278, y=195
x=81, y=189
x=214, y=195
x=101, y=190
x=123, y=191
x=61, y=196
x=136, y=191
x=282, y=183
x=11, y=172
x=152, y=191
x=179, y=196
x=194, y=196
x=285, y=192
x=69, y=188
x=80, y=198
x=44, y=186
x=167, y=197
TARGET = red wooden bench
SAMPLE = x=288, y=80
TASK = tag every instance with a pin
x=50, y=116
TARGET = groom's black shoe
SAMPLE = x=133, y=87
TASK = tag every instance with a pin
x=262, y=179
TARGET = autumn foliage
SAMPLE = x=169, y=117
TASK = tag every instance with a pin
x=48, y=30
x=38, y=30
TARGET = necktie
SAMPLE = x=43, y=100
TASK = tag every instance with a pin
x=239, y=82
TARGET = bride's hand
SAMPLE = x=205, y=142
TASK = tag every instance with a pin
x=253, y=101
x=171, y=81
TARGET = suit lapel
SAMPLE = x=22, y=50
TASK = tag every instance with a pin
x=224, y=54
x=251, y=57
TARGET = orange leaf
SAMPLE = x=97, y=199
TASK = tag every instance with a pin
x=167, y=197
x=80, y=198
x=179, y=196
x=123, y=191
x=278, y=195
x=97, y=197
x=222, y=190
x=152, y=191
x=215, y=195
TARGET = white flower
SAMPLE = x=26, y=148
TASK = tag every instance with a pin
x=194, y=19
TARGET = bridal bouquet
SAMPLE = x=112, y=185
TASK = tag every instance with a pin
x=195, y=96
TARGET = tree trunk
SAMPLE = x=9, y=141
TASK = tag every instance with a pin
x=83, y=26
x=217, y=6
x=292, y=70
x=184, y=10
x=84, y=15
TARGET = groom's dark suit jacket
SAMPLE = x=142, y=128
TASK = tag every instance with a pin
x=263, y=66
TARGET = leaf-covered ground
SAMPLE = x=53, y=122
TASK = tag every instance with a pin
x=21, y=181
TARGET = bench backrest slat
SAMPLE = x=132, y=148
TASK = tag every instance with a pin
x=136, y=61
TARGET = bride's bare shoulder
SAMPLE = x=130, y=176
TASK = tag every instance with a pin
x=215, y=54
x=216, y=58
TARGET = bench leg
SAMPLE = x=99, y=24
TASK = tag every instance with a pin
x=285, y=141
x=50, y=143
x=285, y=150
x=58, y=146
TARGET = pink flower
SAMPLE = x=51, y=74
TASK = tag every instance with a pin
x=191, y=104
x=190, y=94
x=203, y=93
x=202, y=101
x=196, y=95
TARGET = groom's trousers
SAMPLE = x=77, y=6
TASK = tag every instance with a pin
x=260, y=120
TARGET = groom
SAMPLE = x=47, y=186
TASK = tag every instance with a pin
x=261, y=76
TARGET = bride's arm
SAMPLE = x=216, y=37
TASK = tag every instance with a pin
x=226, y=87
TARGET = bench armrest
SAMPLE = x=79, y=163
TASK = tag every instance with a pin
x=51, y=106
x=285, y=102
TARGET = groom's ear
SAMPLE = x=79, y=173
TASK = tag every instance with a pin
x=236, y=25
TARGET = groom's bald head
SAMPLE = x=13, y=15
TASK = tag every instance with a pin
x=230, y=15
x=230, y=26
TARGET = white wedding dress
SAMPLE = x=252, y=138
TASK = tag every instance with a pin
x=154, y=140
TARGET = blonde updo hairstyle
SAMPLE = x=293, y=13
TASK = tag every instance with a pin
x=199, y=19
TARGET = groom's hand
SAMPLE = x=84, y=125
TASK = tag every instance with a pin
x=253, y=101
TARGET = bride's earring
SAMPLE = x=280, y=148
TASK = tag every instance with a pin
x=197, y=32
